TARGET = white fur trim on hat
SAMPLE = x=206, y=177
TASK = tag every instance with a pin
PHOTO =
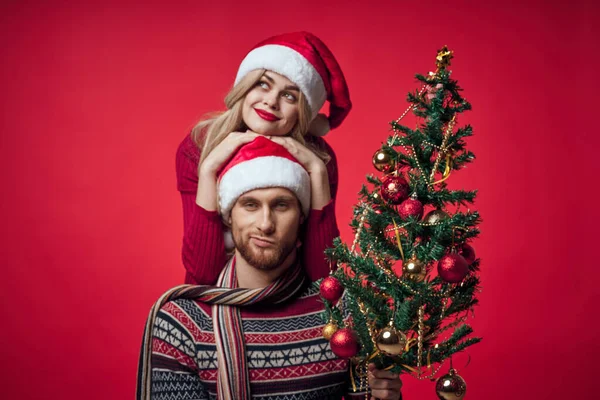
x=263, y=172
x=291, y=64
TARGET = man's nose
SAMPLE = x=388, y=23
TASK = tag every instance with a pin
x=267, y=225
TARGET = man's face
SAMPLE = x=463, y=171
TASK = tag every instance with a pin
x=265, y=225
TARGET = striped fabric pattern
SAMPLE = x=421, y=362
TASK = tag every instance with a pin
x=286, y=354
x=233, y=382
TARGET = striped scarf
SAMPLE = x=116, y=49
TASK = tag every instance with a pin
x=233, y=381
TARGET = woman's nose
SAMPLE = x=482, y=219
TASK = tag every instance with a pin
x=270, y=99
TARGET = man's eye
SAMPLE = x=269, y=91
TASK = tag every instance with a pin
x=250, y=206
x=282, y=206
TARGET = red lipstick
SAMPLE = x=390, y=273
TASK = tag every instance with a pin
x=266, y=115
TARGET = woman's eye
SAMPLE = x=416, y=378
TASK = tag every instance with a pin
x=263, y=84
x=289, y=96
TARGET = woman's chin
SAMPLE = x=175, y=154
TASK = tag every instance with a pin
x=265, y=129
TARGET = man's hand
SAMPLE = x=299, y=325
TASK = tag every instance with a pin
x=385, y=385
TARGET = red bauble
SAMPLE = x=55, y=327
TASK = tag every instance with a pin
x=344, y=343
x=331, y=289
x=410, y=208
x=453, y=268
x=468, y=252
x=390, y=233
x=394, y=189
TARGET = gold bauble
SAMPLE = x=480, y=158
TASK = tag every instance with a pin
x=451, y=386
x=383, y=162
x=435, y=217
x=329, y=330
x=390, y=341
x=414, y=269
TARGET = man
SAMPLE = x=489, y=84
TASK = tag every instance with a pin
x=257, y=333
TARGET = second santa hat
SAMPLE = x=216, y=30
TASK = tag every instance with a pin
x=305, y=60
x=260, y=164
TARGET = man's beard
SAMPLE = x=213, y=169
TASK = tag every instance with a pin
x=267, y=259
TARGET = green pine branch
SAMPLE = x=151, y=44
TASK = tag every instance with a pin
x=376, y=290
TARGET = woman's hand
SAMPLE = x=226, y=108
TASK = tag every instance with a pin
x=320, y=191
x=385, y=385
x=206, y=196
x=221, y=154
x=306, y=157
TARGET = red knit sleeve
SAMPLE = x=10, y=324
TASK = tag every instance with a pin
x=332, y=166
x=203, y=250
x=320, y=230
x=321, y=227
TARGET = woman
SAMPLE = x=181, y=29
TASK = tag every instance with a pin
x=279, y=89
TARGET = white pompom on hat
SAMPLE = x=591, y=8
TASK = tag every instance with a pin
x=305, y=60
x=261, y=164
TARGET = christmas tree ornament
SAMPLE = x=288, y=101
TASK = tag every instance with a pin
x=414, y=269
x=407, y=222
x=468, y=252
x=411, y=207
x=394, y=189
x=383, y=161
x=390, y=341
x=331, y=289
x=442, y=60
x=344, y=343
x=329, y=330
x=452, y=268
x=447, y=168
x=393, y=233
x=435, y=217
x=431, y=91
x=451, y=386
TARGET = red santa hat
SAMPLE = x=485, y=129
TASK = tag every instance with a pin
x=260, y=164
x=305, y=60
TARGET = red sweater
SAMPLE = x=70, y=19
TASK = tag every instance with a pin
x=203, y=251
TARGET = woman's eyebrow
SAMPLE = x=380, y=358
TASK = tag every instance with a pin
x=288, y=87
x=268, y=78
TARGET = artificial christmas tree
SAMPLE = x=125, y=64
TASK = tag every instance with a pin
x=410, y=281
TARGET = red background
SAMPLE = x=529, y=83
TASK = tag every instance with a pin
x=96, y=98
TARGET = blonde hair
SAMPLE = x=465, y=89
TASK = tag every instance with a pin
x=209, y=133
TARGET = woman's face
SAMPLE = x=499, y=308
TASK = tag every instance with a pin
x=271, y=106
